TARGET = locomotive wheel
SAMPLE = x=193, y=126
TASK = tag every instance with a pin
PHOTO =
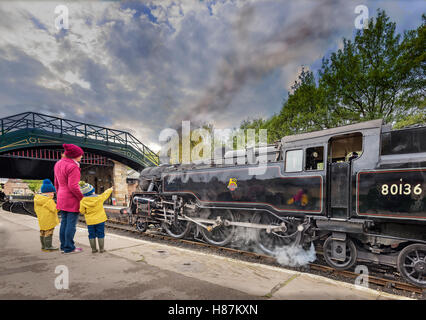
x=412, y=264
x=269, y=242
x=351, y=255
x=6, y=206
x=179, y=229
x=220, y=235
x=141, y=225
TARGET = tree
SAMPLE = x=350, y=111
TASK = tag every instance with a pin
x=377, y=75
x=414, y=46
x=306, y=108
x=255, y=124
x=418, y=118
x=34, y=185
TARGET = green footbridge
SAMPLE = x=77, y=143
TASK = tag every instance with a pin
x=32, y=130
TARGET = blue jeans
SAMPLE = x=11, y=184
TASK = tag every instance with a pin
x=67, y=230
x=96, y=230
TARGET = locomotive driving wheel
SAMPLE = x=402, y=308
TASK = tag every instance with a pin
x=177, y=229
x=340, y=264
x=269, y=241
x=219, y=235
x=412, y=264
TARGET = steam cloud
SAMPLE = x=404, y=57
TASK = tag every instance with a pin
x=295, y=256
x=291, y=255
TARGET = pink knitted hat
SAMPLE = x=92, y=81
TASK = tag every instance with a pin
x=72, y=151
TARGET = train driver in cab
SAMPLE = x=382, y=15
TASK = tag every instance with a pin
x=353, y=156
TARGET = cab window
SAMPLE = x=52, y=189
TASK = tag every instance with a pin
x=345, y=148
x=314, y=158
x=294, y=160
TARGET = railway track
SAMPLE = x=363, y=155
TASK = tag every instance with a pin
x=382, y=282
x=123, y=226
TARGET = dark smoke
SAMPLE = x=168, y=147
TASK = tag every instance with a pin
x=246, y=63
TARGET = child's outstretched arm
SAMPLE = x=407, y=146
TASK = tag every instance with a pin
x=106, y=194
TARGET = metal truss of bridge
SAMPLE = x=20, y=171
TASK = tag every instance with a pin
x=32, y=130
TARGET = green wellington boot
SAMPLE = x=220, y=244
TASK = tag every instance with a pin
x=93, y=245
x=101, y=244
x=48, y=244
x=43, y=245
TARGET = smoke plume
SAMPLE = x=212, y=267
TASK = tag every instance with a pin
x=249, y=61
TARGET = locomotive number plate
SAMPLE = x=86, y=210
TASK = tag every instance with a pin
x=405, y=188
x=395, y=193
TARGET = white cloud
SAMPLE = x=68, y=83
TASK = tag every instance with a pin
x=119, y=66
x=72, y=78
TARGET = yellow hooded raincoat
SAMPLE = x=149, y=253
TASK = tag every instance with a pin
x=93, y=208
x=47, y=214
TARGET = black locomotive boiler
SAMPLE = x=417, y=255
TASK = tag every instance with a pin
x=359, y=190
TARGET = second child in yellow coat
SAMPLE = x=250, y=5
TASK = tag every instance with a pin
x=47, y=214
x=92, y=206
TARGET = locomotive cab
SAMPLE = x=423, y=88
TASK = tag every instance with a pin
x=335, y=154
x=344, y=150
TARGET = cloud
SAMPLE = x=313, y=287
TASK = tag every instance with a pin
x=146, y=66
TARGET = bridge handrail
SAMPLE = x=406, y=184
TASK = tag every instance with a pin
x=33, y=120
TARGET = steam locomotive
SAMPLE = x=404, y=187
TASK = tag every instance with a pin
x=358, y=190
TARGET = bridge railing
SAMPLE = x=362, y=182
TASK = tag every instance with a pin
x=32, y=120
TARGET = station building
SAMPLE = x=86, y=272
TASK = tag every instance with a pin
x=124, y=180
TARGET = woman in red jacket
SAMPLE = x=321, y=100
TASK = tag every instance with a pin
x=67, y=177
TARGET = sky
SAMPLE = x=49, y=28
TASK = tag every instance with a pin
x=144, y=66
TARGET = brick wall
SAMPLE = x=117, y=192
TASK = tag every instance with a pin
x=119, y=177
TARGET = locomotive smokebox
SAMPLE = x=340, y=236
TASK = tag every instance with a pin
x=145, y=204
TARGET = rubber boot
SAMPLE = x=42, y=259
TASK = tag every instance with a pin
x=48, y=244
x=93, y=245
x=101, y=244
x=43, y=245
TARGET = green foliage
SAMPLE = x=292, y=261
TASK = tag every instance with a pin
x=376, y=75
x=34, y=185
x=379, y=74
x=255, y=124
x=305, y=108
x=419, y=118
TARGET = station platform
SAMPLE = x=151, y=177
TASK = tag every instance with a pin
x=137, y=269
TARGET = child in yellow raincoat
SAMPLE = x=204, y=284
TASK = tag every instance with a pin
x=47, y=214
x=92, y=206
